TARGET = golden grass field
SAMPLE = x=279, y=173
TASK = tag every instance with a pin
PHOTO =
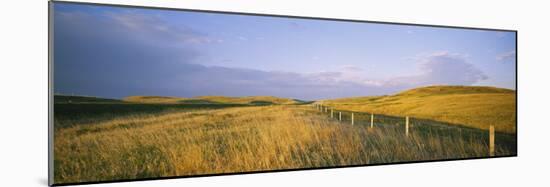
x=238, y=139
x=472, y=106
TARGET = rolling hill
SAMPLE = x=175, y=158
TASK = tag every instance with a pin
x=473, y=106
x=83, y=99
x=153, y=99
x=254, y=100
x=251, y=100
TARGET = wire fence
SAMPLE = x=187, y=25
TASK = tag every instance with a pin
x=421, y=127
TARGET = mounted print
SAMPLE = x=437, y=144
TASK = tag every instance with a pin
x=153, y=93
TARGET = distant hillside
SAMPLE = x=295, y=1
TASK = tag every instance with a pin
x=473, y=106
x=442, y=90
x=153, y=99
x=82, y=99
x=250, y=99
x=255, y=100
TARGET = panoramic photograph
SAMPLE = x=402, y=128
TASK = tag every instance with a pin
x=142, y=93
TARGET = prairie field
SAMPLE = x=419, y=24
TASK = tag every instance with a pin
x=132, y=141
x=143, y=93
x=470, y=106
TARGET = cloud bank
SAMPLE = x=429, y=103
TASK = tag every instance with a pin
x=442, y=68
x=507, y=57
x=118, y=54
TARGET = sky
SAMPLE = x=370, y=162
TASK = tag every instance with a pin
x=115, y=52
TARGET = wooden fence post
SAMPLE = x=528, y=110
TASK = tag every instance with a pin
x=407, y=126
x=340, y=117
x=326, y=109
x=331, y=113
x=371, y=120
x=492, y=140
x=352, y=119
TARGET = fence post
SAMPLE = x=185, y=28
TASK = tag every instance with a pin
x=492, y=140
x=407, y=126
x=352, y=119
x=371, y=120
x=340, y=117
x=326, y=109
x=331, y=113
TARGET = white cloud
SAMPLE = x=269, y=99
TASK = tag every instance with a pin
x=438, y=68
x=509, y=56
x=242, y=38
x=145, y=27
x=346, y=74
x=442, y=68
x=156, y=28
x=352, y=68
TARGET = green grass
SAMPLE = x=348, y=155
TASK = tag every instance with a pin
x=71, y=110
x=67, y=115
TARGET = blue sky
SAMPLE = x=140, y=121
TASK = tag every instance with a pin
x=117, y=52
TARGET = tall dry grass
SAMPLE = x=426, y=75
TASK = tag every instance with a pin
x=237, y=140
x=472, y=106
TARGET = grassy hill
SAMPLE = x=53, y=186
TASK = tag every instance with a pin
x=83, y=99
x=472, y=106
x=153, y=99
x=256, y=100
x=249, y=100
